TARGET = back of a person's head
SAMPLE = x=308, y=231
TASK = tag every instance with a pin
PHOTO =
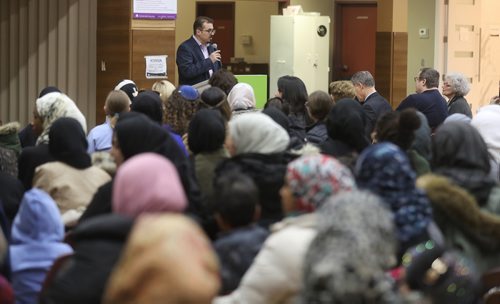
x=149, y=103
x=165, y=88
x=214, y=97
x=167, y=259
x=278, y=103
x=319, y=105
x=363, y=77
x=158, y=189
x=207, y=131
x=129, y=87
x=47, y=90
x=294, y=92
x=431, y=77
x=180, y=108
x=224, y=80
x=117, y=102
x=398, y=127
x=278, y=116
x=241, y=97
x=337, y=268
x=342, y=89
x=236, y=199
x=314, y=178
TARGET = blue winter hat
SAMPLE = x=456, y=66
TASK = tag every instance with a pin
x=188, y=92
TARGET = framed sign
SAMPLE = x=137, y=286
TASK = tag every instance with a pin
x=155, y=9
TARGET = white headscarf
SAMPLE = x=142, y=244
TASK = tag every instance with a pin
x=257, y=133
x=241, y=97
x=55, y=105
x=486, y=122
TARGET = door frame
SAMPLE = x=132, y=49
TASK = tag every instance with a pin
x=338, y=30
x=233, y=16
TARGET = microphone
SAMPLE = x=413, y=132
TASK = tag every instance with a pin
x=214, y=45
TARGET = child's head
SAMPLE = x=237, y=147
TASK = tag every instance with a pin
x=236, y=200
x=117, y=102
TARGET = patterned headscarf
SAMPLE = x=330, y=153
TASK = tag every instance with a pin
x=314, y=178
x=55, y=105
x=385, y=169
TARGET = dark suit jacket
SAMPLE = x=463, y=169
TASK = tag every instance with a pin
x=374, y=107
x=191, y=64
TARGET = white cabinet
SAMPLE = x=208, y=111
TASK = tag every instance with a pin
x=300, y=47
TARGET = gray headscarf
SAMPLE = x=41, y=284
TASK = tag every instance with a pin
x=355, y=245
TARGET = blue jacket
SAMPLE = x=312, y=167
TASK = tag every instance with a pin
x=191, y=64
x=36, y=241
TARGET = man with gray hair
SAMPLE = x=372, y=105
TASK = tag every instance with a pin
x=374, y=105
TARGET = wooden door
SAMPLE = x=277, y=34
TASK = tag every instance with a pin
x=223, y=15
x=355, y=32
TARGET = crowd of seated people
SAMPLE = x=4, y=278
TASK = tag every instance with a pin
x=187, y=196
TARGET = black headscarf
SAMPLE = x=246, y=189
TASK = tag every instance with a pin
x=346, y=123
x=206, y=132
x=68, y=144
x=149, y=103
x=460, y=153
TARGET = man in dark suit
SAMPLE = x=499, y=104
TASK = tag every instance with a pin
x=374, y=105
x=197, y=59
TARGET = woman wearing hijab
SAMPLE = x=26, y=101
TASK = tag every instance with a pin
x=385, y=170
x=206, y=135
x=465, y=198
x=158, y=175
x=71, y=179
x=241, y=99
x=167, y=259
x=354, y=247
x=346, y=136
x=48, y=109
x=134, y=134
x=276, y=273
x=36, y=241
x=257, y=147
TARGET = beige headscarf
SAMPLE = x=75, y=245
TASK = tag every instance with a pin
x=167, y=259
x=241, y=97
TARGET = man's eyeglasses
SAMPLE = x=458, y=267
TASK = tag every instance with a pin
x=210, y=31
x=416, y=78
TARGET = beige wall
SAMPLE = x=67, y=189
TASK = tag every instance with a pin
x=252, y=18
x=46, y=42
x=420, y=51
x=324, y=7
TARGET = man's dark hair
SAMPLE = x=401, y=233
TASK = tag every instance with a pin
x=236, y=198
x=198, y=23
x=431, y=77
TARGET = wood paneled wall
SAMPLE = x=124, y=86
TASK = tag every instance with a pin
x=391, y=65
x=42, y=43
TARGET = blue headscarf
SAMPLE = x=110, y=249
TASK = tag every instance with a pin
x=385, y=170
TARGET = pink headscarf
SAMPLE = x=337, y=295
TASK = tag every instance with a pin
x=147, y=183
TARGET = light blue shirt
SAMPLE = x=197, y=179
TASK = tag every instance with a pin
x=100, y=138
